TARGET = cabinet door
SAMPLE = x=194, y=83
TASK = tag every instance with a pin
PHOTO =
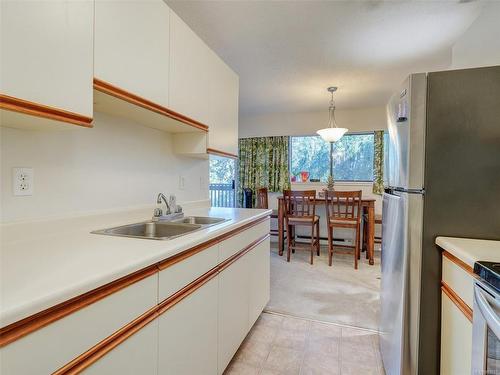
x=456, y=339
x=132, y=46
x=136, y=355
x=233, y=309
x=47, y=53
x=223, y=98
x=259, y=284
x=188, y=334
x=189, y=76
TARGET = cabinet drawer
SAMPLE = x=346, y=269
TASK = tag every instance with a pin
x=234, y=244
x=178, y=275
x=459, y=280
x=47, y=349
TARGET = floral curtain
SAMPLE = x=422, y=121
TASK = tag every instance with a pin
x=263, y=162
x=378, y=162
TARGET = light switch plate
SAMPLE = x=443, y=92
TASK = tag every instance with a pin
x=22, y=181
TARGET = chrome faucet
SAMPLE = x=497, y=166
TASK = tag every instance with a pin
x=173, y=211
x=161, y=197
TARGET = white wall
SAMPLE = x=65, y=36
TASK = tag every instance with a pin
x=117, y=164
x=480, y=44
x=306, y=123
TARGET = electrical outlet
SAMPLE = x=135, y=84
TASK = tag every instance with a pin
x=22, y=181
x=182, y=182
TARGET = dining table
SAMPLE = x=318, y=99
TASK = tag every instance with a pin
x=368, y=210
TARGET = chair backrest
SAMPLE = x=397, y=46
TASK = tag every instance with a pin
x=299, y=203
x=262, y=201
x=343, y=205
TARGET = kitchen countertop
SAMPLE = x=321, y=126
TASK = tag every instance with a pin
x=471, y=250
x=48, y=262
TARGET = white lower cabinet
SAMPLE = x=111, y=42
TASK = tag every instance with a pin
x=233, y=309
x=198, y=335
x=259, y=284
x=136, y=355
x=188, y=334
x=456, y=339
x=53, y=346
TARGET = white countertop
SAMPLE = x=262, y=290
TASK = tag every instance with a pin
x=470, y=250
x=48, y=262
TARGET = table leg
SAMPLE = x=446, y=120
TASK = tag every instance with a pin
x=371, y=232
x=281, y=235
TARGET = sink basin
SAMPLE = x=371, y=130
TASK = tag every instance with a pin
x=202, y=220
x=162, y=230
x=154, y=230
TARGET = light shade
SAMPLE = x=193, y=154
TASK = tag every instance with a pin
x=331, y=134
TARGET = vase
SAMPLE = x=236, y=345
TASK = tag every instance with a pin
x=304, y=176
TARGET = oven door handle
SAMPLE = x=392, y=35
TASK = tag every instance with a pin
x=490, y=316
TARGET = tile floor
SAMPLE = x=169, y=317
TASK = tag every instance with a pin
x=279, y=344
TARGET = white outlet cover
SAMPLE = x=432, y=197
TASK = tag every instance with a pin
x=23, y=182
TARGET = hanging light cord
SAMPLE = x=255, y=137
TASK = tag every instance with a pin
x=331, y=109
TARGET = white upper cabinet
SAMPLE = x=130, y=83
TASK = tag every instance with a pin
x=189, y=74
x=47, y=53
x=203, y=87
x=223, y=99
x=132, y=47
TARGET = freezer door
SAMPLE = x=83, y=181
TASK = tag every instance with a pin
x=394, y=282
x=406, y=127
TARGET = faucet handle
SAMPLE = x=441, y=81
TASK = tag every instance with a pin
x=157, y=212
x=172, y=202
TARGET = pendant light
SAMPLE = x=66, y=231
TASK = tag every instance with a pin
x=332, y=133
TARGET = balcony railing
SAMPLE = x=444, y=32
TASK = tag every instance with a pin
x=222, y=195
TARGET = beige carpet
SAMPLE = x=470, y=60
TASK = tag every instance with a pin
x=337, y=294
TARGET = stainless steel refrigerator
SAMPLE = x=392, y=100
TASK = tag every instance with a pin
x=442, y=179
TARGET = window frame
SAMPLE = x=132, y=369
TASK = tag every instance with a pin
x=330, y=154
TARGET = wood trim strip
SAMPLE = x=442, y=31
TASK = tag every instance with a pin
x=100, y=349
x=225, y=154
x=109, y=89
x=23, y=327
x=34, y=322
x=459, y=302
x=194, y=250
x=27, y=107
x=105, y=346
x=459, y=263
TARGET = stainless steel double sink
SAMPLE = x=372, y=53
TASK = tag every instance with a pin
x=162, y=230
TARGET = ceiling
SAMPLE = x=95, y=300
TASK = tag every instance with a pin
x=288, y=52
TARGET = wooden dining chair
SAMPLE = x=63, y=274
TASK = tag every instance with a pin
x=263, y=202
x=343, y=210
x=300, y=210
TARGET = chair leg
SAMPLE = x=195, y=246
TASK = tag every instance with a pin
x=289, y=244
x=318, y=237
x=293, y=236
x=330, y=245
x=312, y=243
x=357, y=254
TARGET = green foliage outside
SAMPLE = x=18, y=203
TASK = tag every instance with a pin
x=222, y=170
x=352, y=157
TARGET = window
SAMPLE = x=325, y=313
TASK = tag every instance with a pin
x=222, y=181
x=352, y=157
